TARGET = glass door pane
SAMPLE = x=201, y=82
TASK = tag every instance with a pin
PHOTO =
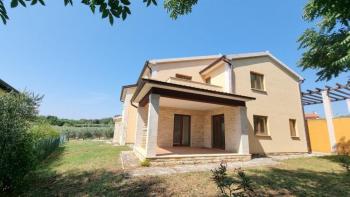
x=186, y=130
x=177, y=130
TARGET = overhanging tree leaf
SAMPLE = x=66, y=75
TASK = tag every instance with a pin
x=327, y=47
x=14, y=3
x=115, y=8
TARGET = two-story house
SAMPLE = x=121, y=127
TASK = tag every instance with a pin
x=212, y=108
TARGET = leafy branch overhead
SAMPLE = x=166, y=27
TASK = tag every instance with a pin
x=113, y=9
x=327, y=47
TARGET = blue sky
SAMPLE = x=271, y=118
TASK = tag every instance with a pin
x=79, y=62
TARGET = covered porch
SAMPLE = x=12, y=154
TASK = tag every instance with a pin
x=174, y=124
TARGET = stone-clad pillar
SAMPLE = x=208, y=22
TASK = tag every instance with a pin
x=152, y=126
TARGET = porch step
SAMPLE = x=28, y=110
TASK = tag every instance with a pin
x=181, y=160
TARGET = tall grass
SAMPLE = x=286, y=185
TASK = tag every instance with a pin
x=44, y=147
x=87, y=132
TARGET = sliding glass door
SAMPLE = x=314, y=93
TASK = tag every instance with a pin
x=182, y=130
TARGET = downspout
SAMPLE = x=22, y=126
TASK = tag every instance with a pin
x=305, y=121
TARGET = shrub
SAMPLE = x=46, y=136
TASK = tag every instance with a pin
x=46, y=139
x=345, y=162
x=16, y=150
x=239, y=185
x=145, y=163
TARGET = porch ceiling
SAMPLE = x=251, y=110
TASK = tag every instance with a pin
x=185, y=104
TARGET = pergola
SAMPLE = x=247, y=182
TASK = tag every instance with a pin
x=327, y=95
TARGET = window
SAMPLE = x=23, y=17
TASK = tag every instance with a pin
x=257, y=81
x=207, y=80
x=292, y=126
x=180, y=76
x=260, y=125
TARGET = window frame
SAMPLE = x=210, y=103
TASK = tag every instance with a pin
x=262, y=81
x=185, y=77
x=258, y=133
x=294, y=121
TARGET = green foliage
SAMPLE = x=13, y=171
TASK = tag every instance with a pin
x=87, y=132
x=145, y=163
x=239, y=185
x=179, y=7
x=327, y=47
x=53, y=120
x=111, y=9
x=345, y=162
x=16, y=143
x=43, y=130
x=46, y=139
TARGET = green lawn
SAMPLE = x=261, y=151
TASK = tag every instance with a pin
x=87, y=168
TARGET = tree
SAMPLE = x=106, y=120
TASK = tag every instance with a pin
x=327, y=47
x=111, y=9
x=17, y=153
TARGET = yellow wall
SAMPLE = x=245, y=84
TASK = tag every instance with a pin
x=319, y=134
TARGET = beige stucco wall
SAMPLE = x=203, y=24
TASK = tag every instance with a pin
x=217, y=75
x=130, y=119
x=2, y=92
x=163, y=71
x=280, y=102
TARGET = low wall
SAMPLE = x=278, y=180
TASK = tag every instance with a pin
x=318, y=132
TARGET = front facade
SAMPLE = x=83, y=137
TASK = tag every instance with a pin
x=229, y=105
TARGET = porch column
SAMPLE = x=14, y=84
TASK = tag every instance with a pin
x=348, y=104
x=152, y=126
x=329, y=119
x=244, y=141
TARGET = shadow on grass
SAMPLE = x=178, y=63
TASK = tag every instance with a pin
x=301, y=182
x=94, y=183
x=45, y=181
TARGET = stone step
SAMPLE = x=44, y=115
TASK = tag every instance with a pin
x=197, y=160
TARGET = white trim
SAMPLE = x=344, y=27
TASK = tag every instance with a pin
x=168, y=60
x=228, y=78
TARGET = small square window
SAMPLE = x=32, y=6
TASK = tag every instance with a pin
x=260, y=125
x=180, y=76
x=293, y=129
x=208, y=80
x=257, y=81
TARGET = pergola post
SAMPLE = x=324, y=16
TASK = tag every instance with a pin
x=329, y=119
x=152, y=126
